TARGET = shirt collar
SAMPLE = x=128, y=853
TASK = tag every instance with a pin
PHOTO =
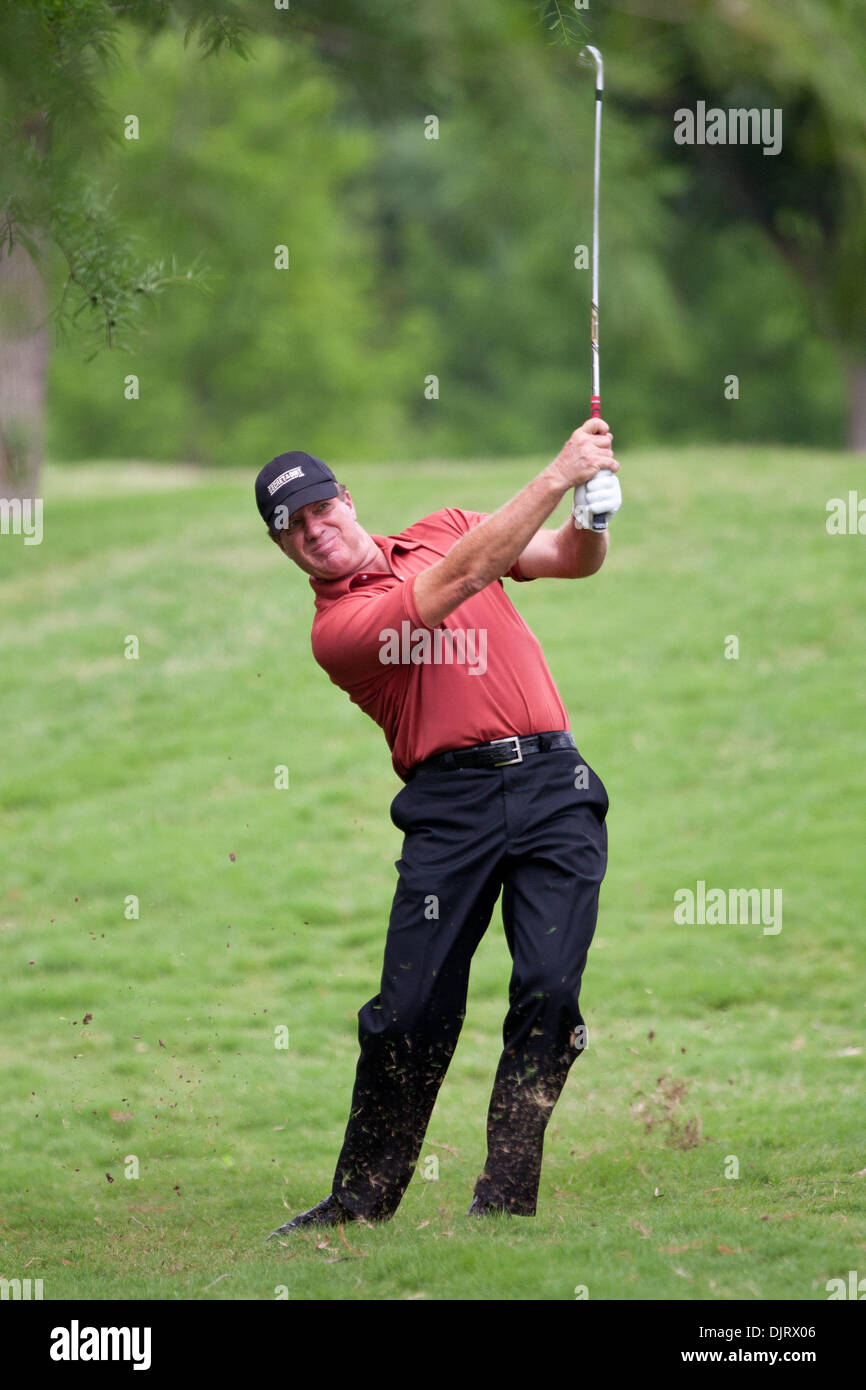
x=335, y=588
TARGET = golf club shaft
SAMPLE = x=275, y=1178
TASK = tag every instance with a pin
x=599, y=522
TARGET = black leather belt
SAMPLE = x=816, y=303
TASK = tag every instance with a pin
x=500, y=752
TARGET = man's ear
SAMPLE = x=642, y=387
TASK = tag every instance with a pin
x=350, y=504
x=277, y=539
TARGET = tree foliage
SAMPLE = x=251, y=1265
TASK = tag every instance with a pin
x=55, y=59
x=415, y=258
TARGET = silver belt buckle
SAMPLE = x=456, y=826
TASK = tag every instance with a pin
x=512, y=738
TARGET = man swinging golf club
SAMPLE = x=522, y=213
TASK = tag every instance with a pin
x=496, y=798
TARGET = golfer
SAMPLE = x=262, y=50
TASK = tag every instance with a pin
x=419, y=632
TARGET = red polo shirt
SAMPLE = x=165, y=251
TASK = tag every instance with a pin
x=481, y=675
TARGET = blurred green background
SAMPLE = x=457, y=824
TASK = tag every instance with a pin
x=451, y=257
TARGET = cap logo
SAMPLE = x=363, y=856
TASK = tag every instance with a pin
x=285, y=478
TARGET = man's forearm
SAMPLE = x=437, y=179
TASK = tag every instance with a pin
x=490, y=549
x=583, y=551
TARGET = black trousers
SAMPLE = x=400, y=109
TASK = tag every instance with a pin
x=533, y=831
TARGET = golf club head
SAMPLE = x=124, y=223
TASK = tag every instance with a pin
x=590, y=56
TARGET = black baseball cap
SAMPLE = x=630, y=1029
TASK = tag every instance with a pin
x=290, y=481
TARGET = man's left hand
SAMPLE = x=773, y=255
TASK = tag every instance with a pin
x=602, y=495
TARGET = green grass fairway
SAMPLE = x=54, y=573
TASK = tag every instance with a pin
x=153, y=1037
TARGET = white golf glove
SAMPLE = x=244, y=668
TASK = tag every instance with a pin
x=602, y=495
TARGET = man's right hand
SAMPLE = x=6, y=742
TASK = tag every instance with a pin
x=587, y=452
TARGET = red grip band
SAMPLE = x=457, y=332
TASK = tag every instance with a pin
x=595, y=407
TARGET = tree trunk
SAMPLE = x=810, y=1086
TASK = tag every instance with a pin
x=24, y=338
x=855, y=373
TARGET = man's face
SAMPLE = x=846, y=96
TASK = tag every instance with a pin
x=325, y=539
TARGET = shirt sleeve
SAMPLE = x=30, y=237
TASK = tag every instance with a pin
x=350, y=640
x=467, y=521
